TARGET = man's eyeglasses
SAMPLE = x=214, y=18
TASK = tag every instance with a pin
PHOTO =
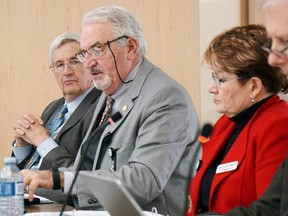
x=220, y=81
x=280, y=53
x=97, y=50
x=73, y=64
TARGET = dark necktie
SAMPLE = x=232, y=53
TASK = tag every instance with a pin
x=107, y=111
x=92, y=142
x=54, y=124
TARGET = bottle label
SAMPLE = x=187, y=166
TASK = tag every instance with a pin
x=11, y=188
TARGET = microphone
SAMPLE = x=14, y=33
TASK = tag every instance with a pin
x=203, y=137
x=205, y=133
x=111, y=120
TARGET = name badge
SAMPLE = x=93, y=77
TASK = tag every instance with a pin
x=227, y=167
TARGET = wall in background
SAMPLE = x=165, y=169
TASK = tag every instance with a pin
x=255, y=13
x=28, y=27
x=215, y=17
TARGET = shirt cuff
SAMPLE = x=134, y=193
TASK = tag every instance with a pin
x=21, y=153
x=68, y=179
x=45, y=147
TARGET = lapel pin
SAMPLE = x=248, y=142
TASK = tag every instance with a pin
x=124, y=108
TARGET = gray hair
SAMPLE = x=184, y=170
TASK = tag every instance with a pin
x=60, y=40
x=123, y=22
x=267, y=3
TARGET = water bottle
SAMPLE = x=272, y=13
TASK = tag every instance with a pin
x=11, y=189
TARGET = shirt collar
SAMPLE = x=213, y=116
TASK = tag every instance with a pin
x=72, y=106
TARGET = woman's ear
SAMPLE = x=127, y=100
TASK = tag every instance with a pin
x=256, y=87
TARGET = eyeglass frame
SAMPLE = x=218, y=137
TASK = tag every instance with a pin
x=77, y=66
x=220, y=81
x=97, y=47
x=280, y=53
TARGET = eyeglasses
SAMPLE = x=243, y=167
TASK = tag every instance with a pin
x=73, y=64
x=96, y=51
x=220, y=81
x=279, y=53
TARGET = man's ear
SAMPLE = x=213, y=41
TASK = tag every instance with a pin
x=132, y=48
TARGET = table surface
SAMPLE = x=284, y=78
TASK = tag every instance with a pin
x=46, y=208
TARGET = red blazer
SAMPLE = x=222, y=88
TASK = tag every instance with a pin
x=259, y=149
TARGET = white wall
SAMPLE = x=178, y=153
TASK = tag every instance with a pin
x=215, y=17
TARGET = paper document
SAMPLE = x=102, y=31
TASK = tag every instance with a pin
x=81, y=213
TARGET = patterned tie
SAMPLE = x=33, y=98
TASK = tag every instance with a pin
x=33, y=160
x=106, y=113
x=57, y=121
x=54, y=124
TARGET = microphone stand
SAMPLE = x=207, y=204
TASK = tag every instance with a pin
x=203, y=137
x=111, y=120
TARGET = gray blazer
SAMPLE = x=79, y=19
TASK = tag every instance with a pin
x=72, y=133
x=155, y=143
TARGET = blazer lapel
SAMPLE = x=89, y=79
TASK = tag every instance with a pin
x=126, y=104
x=80, y=111
x=47, y=114
x=218, y=141
x=236, y=154
x=132, y=93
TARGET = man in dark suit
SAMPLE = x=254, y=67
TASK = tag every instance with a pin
x=80, y=97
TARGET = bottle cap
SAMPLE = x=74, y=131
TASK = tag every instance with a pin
x=9, y=160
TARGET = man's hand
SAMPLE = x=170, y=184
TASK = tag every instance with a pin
x=20, y=142
x=34, y=179
x=30, y=128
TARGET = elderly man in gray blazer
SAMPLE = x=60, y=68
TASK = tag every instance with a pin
x=152, y=147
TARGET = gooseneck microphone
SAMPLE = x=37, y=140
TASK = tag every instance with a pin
x=111, y=120
x=203, y=137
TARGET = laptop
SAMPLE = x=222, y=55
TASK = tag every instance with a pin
x=113, y=196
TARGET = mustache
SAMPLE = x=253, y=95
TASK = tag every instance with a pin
x=95, y=71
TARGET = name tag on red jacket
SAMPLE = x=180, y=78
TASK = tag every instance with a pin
x=227, y=167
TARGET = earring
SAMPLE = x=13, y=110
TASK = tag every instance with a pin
x=253, y=100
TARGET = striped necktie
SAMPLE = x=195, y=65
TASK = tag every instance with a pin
x=108, y=108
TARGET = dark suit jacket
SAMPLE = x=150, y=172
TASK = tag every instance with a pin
x=72, y=133
x=275, y=199
x=259, y=149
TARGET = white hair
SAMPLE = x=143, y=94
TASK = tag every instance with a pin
x=123, y=22
x=268, y=3
x=60, y=40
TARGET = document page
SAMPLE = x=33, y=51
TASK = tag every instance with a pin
x=82, y=213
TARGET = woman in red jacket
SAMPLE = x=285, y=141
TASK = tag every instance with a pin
x=249, y=142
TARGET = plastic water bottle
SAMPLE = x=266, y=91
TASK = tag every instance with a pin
x=11, y=189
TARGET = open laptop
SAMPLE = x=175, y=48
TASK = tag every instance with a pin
x=113, y=196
